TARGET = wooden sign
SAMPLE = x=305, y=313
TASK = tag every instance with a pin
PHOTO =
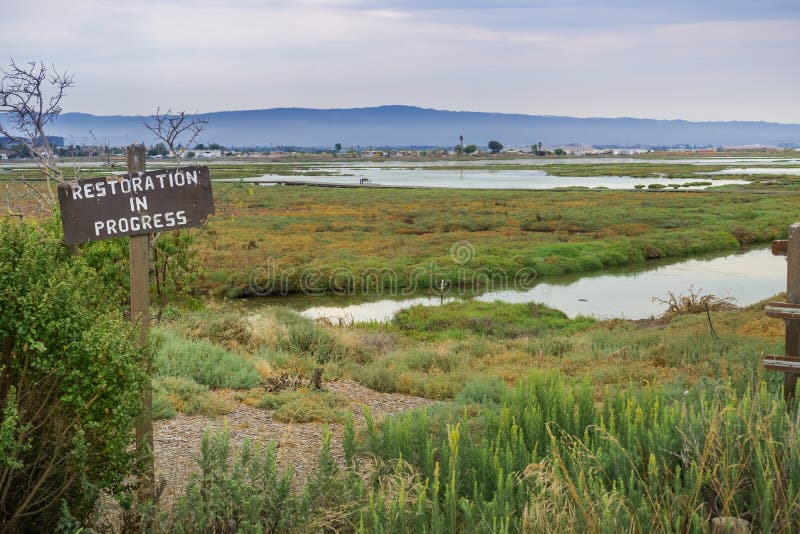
x=132, y=204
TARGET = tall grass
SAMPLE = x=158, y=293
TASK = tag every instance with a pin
x=549, y=459
x=546, y=458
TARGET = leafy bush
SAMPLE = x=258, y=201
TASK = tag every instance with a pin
x=203, y=362
x=70, y=382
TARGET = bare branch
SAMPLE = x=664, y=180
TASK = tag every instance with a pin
x=30, y=99
x=170, y=127
x=101, y=147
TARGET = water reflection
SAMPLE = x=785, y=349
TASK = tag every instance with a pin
x=487, y=179
x=746, y=277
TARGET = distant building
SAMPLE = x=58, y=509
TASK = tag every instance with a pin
x=54, y=140
x=207, y=153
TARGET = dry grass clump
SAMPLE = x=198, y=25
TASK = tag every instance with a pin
x=304, y=406
x=174, y=394
x=266, y=330
x=694, y=302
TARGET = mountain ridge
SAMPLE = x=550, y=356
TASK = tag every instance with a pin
x=400, y=125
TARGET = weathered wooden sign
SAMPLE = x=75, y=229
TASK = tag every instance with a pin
x=135, y=204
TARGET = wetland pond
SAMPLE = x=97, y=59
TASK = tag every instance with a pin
x=747, y=277
x=485, y=178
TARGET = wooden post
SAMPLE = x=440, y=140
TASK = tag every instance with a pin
x=792, y=297
x=139, y=247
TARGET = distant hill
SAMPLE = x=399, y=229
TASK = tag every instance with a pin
x=406, y=126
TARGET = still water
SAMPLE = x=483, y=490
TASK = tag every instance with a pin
x=485, y=179
x=746, y=277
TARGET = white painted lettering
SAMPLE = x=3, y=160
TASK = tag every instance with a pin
x=170, y=218
x=123, y=225
x=87, y=191
x=146, y=222
x=181, y=216
x=125, y=186
x=135, y=224
x=180, y=179
x=98, y=225
x=191, y=178
x=137, y=184
x=76, y=192
x=112, y=226
x=157, y=221
x=161, y=179
x=100, y=188
x=148, y=184
x=113, y=185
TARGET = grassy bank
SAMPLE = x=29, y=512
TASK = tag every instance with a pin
x=551, y=423
x=274, y=239
x=438, y=352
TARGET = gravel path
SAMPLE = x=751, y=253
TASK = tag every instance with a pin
x=177, y=440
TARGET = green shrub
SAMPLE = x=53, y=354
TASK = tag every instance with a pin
x=381, y=375
x=247, y=492
x=203, y=362
x=238, y=496
x=485, y=390
x=304, y=337
x=70, y=382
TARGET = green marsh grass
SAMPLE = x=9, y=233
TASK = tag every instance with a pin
x=401, y=233
x=203, y=362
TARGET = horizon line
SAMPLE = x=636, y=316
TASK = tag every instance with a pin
x=406, y=106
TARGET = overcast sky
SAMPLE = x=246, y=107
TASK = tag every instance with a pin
x=696, y=60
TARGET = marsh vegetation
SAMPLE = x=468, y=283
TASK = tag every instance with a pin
x=543, y=422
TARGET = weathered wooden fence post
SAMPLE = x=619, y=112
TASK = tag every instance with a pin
x=139, y=254
x=792, y=297
x=789, y=311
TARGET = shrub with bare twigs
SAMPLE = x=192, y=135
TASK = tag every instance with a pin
x=694, y=302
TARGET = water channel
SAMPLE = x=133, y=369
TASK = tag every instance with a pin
x=747, y=277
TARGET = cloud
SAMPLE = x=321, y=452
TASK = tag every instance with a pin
x=668, y=59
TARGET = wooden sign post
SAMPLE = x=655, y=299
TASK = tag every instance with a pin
x=789, y=311
x=139, y=256
x=137, y=204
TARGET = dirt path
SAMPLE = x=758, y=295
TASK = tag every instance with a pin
x=177, y=440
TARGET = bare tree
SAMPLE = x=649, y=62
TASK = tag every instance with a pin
x=30, y=98
x=174, y=127
x=100, y=148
